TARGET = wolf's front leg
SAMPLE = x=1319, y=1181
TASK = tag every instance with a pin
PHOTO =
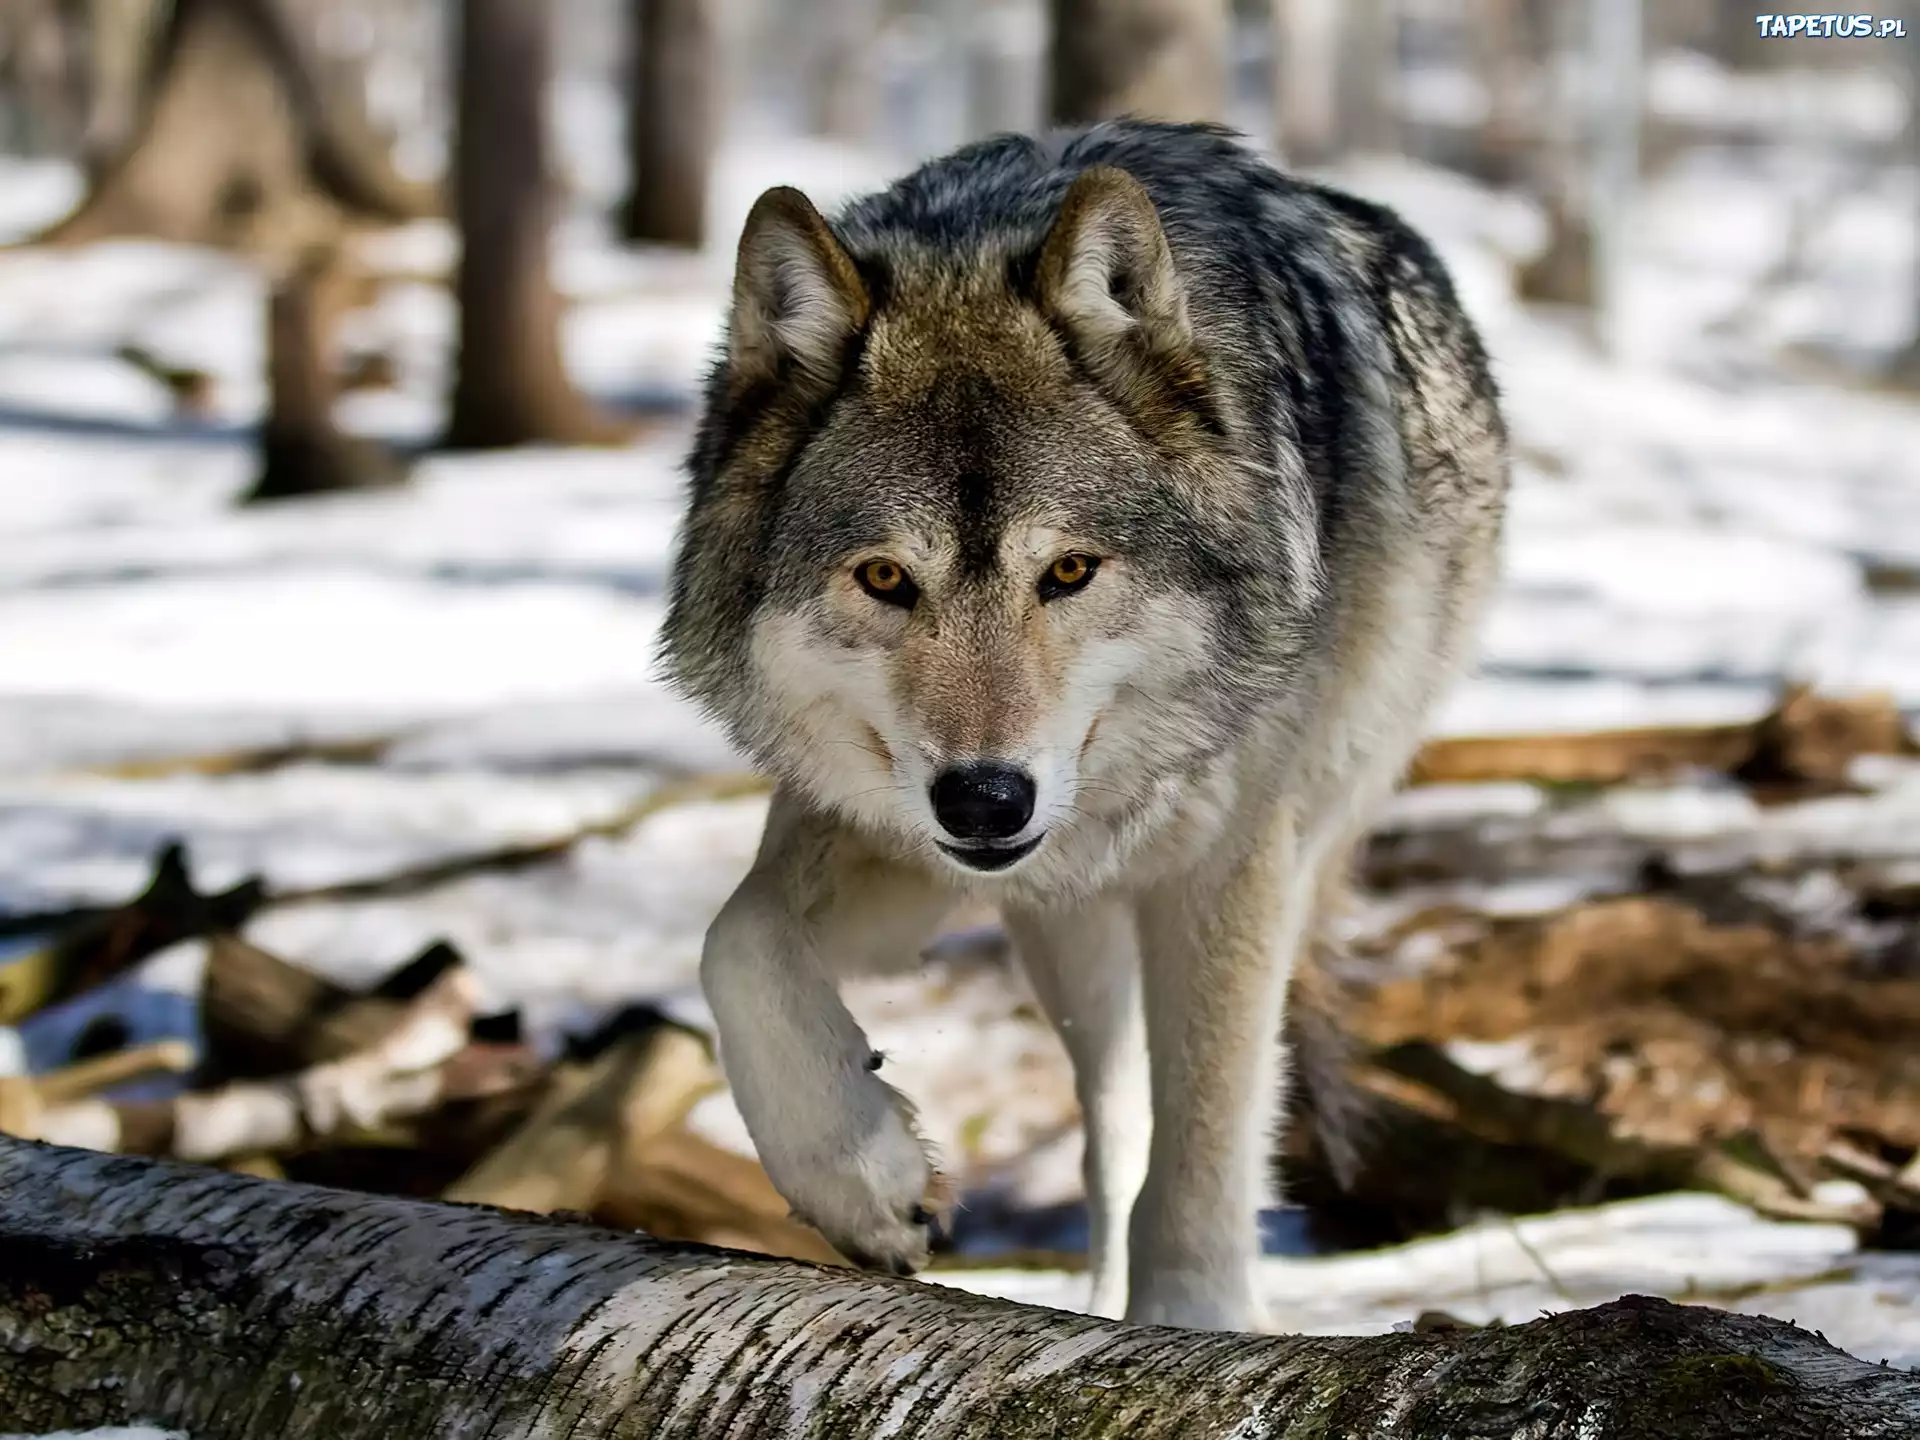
x=1217, y=948
x=1084, y=963
x=837, y=1141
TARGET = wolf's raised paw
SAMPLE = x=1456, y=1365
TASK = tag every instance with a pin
x=866, y=1183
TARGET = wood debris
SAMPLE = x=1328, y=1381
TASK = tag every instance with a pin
x=1692, y=1036
x=88, y=947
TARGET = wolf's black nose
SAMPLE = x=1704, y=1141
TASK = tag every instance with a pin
x=983, y=801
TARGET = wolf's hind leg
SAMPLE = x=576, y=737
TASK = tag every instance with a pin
x=1216, y=951
x=1084, y=964
x=837, y=1141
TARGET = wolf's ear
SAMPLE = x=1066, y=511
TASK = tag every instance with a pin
x=1106, y=274
x=796, y=295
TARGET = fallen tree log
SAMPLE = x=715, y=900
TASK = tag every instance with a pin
x=263, y=1015
x=1807, y=739
x=231, y=1308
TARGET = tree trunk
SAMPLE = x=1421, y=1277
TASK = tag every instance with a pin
x=1501, y=55
x=510, y=383
x=1306, y=50
x=672, y=121
x=1618, y=54
x=239, y=145
x=1904, y=370
x=1562, y=274
x=302, y=450
x=313, y=1314
x=1005, y=51
x=1369, y=72
x=1155, y=59
x=842, y=40
x=119, y=35
x=38, y=77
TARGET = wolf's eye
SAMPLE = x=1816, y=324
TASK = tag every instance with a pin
x=1068, y=574
x=886, y=580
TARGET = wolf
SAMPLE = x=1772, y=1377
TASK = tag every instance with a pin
x=1086, y=525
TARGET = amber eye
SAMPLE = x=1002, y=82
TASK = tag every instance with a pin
x=1068, y=574
x=882, y=575
x=887, y=580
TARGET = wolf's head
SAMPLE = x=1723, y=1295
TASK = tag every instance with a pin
x=976, y=551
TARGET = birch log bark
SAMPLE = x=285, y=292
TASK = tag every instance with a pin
x=234, y=1308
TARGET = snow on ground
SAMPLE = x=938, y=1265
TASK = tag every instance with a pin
x=1687, y=1247
x=1691, y=527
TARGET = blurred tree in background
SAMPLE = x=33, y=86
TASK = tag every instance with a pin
x=218, y=122
x=1552, y=160
x=840, y=42
x=1156, y=59
x=510, y=383
x=273, y=126
x=43, y=62
x=1305, y=45
x=236, y=138
x=673, y=117
x=303, y=451
x=114, y=36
